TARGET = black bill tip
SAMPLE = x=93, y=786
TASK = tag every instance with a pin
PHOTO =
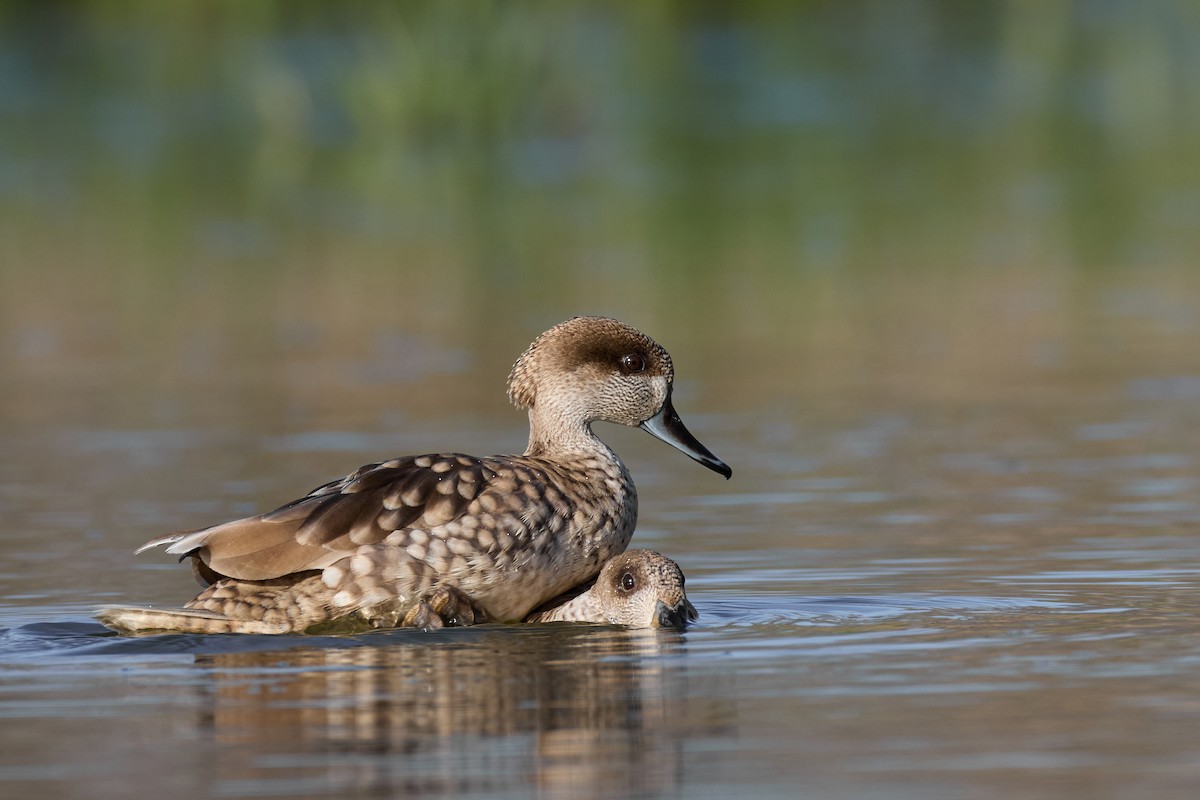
x=667, y=425
x=676, y=617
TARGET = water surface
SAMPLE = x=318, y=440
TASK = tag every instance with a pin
x=899, y=605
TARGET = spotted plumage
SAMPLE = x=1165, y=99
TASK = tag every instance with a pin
x=509, y=532
x=636, y=589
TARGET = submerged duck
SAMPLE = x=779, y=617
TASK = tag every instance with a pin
x=499, y=534
x=636, y=589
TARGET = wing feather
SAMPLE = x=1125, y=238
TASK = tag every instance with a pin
x=365, y=507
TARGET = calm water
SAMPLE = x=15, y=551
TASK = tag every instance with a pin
x=899, y=597
x=929, y=283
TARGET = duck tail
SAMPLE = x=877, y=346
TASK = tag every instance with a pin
x=145, y=619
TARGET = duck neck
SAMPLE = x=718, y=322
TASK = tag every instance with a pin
x=583, y=608
x=554, y=435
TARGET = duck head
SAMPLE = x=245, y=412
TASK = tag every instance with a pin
x=591, y=369
x=642, y=589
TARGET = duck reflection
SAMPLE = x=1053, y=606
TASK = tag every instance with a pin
x=570, y=710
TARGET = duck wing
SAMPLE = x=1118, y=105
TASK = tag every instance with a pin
x=363, y=508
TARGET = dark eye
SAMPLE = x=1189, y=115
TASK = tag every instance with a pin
x=633, y=362
x=628, y=581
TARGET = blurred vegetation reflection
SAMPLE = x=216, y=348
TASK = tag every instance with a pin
x=723, y=166
x=585, y=713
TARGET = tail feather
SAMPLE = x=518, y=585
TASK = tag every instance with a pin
x=146, y=619
x=170, y=538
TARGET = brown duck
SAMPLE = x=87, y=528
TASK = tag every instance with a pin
x=636, y=589
x=495, y=536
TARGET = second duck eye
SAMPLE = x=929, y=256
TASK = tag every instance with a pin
x=628, y=582
x=632, y=363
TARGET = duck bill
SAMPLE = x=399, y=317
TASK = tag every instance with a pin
x=667, y=425
x=675, y=617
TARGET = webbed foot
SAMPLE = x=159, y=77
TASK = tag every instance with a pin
x=442, y=607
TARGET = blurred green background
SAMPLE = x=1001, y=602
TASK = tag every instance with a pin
x=949, y=191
